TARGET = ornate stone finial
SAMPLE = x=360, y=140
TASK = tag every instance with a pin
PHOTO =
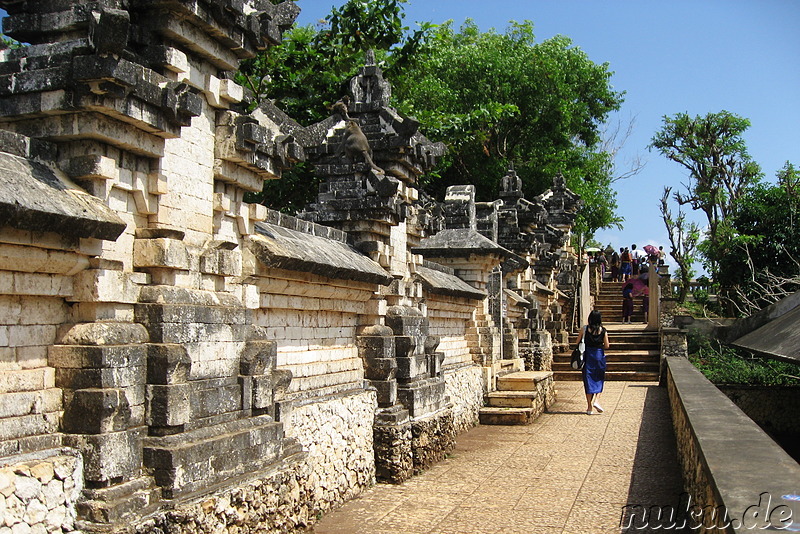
x=559, y=183
x=511, y=183
x=459, y=207
x=370, y=87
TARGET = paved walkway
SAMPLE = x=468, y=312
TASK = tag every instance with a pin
x=568, y=472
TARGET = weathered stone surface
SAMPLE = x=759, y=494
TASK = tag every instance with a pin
x=438, y=281
x=393, y=456
x=34, y=197
x=96, y=357
x=168, y=405
x=108, y=457
x=103, y=334
x=31, y=500
x=167, y=364
x=278, y=501
x=431, y=439
x=288, y=249
x=185, y=462
x=258, y=357
x=95, y=411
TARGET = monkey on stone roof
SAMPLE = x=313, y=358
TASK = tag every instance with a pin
x=355, y=145
x=341, y=107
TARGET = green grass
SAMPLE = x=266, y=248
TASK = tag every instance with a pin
x=725, y=365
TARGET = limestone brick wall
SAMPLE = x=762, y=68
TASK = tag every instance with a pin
x=39, y=492
x=313, y=320
x=34, y=277
x=129, y=184
x=188, y=162
x=337, y=434
x=449, y=320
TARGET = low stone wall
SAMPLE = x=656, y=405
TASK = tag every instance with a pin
x=337, y=433
x=431, y=439
x=735, y=474
x=39, y=491
x=464, y=387
x=281, y=500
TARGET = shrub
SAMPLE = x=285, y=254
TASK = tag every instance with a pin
x=701, y=296
x=726, y=365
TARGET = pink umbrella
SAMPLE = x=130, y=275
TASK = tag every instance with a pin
x=639, y=286
x=651, y=250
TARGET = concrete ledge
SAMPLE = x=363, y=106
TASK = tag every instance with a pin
x=729, y=464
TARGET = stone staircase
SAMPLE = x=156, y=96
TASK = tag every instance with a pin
x=635, y=352
x=609, y=303
x=482, y=337
x=520, y=398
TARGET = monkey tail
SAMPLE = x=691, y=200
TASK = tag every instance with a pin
x=372, y=163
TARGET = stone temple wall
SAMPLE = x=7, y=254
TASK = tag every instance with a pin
x=185, y=361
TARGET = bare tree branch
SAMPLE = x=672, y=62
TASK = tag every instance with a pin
x=615, y=135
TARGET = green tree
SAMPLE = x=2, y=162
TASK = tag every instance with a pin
x=308, y=71
x=713, y=151
x=683, y=238
x=761, y=263
x=501, y=99
x=495, y=99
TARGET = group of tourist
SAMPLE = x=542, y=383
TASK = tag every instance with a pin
x=623, y=267
x=626, y=263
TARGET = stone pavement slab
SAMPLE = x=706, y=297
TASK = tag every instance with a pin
x=567, y=473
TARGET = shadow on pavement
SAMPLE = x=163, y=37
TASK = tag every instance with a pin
x=655, y=496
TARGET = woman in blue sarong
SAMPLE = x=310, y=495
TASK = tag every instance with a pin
x=595, y=337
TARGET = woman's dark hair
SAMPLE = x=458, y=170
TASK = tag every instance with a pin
x=595, y=318
x=629, y=286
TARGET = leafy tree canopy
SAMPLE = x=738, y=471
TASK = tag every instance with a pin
x=497, y=100
x=764, y=250
x=502, y=99
x=713, y=151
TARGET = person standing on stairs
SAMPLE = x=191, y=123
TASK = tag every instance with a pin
x=614, y=260
x=627, y=302
x=625, y=259
x=595, y=337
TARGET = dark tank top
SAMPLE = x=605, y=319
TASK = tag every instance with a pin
x=596, y=341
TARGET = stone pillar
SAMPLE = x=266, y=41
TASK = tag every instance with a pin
x=654, y=308
x=421, y=387
x=459, y=207
x=392, y=430
x=101, y=368
x=673, y=343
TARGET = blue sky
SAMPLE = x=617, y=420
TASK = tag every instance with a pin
x=695, y=56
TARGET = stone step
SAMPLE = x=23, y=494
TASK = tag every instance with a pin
x=512, y=399
x=505, y=416
x=624, y=337
x=649, y=367
x=612, y=357
x=521, y=381
x=632, y=376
